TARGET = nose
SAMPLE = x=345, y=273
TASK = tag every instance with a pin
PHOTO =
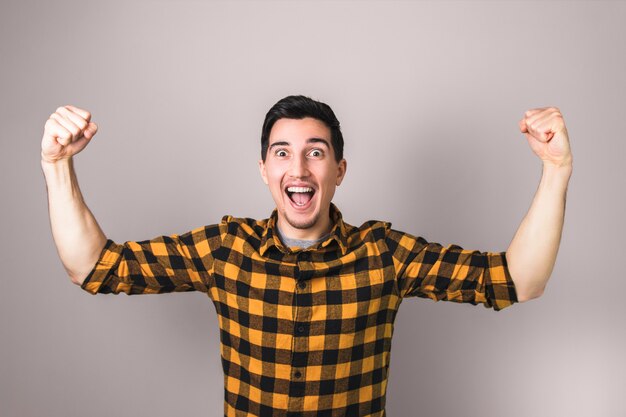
x=299, y=168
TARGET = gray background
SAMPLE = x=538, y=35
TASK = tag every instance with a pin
x=429, y=96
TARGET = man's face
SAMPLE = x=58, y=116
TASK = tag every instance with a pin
x=301, y=172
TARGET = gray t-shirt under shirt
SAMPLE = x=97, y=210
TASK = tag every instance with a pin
x=297, y=243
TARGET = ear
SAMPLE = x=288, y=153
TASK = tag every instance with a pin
x=262, y=170
x=341, y=171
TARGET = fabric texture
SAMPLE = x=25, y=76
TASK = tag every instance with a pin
x=304, y=332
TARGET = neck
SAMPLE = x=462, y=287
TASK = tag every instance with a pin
x=320, y=229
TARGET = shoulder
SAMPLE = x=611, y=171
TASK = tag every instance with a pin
x=369, y=231
x=238, y=225
x=383, y=232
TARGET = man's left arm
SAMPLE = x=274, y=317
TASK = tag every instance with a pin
x=532, y=252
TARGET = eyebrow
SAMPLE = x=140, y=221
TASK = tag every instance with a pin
x=310, y=140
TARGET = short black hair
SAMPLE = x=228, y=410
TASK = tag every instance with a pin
x=299, y=107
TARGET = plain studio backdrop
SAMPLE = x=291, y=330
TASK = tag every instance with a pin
x=429, y=95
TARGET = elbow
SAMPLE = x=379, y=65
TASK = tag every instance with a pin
x=528, y=287
x=77, y=279
x=527, y=295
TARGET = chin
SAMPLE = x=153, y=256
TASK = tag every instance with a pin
x=300, y=221
x=302, y=224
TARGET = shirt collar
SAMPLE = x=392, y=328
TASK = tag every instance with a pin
x=338, y=233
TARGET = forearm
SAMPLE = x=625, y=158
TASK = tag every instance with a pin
x=77, y=235
x=533, y=250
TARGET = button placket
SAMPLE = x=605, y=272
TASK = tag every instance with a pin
x=302, y=318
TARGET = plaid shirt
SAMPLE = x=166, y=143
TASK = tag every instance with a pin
x=304, y=332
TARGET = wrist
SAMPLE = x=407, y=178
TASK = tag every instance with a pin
x=48, y=164
x=58, y=174
x=563, y=167
x=556, y=175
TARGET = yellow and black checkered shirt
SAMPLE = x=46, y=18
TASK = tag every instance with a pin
x=304, y=332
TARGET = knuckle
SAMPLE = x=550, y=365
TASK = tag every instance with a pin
x=51, y=124
x=60, y=109
x=80, y=123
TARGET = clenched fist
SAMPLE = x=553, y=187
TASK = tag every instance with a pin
x=66, y=132
x=547, y=136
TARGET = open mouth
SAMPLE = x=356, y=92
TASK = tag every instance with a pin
x=300, y=196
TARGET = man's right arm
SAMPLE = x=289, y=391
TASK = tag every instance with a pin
x=77, y=235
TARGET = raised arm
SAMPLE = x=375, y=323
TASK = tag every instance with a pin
x=532, y=253
x=77, y=235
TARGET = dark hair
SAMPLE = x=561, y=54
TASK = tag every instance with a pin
x=299, y=107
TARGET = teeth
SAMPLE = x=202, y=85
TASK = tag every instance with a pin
x=300, y=189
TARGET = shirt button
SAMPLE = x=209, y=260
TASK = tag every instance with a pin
x=300, y=329
x=302, y=285
x=297, y=374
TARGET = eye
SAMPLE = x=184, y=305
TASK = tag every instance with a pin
x=281, y=153
x=316, y=153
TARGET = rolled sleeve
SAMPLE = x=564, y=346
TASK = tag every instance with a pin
x=175, y=263
x=101, y=276
x=430, y=270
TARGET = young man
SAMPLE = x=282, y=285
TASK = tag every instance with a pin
x=306, y=302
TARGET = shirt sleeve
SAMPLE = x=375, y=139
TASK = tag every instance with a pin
x=429, y=270
x=165, y=264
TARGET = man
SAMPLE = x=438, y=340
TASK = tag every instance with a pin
x=305, y=302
